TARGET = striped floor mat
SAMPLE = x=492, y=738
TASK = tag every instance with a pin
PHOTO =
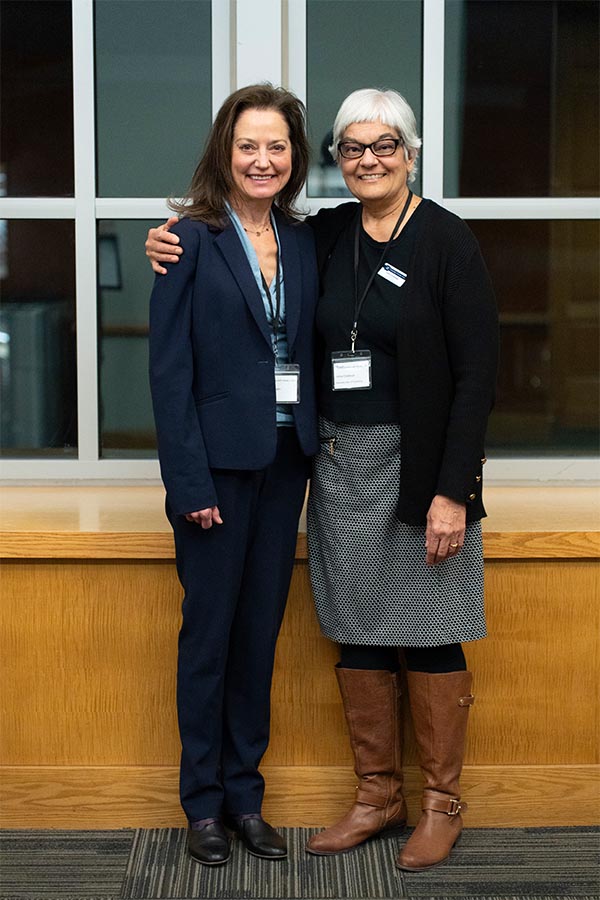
x=152, y=864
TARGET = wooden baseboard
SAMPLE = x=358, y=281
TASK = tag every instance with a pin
x=146, y=796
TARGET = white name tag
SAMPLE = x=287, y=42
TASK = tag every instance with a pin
x=391, y=273
x=351, y=371
x=287, y=383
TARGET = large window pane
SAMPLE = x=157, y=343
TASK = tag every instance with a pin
x=522, y=99
x=125, y=282
x=546, y=276
x=38, y=394
x=355, y=44
x=36, y=95
x=153, y=94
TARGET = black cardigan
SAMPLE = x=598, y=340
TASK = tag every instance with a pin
x=447, y=351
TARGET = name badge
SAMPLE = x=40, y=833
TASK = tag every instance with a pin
x=351, y=371
x=287, y=383
x=391, y=273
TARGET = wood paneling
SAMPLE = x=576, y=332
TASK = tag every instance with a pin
x=88, y=656
x=541, y=545
x=146, y=797
x=88, y=663
x=156, y=545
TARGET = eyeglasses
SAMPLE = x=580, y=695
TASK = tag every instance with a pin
x=383, y=147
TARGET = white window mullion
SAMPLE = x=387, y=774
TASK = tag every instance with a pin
x=524, y=207
x=85, y=229
x=132, y=208
x=550, y=208
x=37, y=208
x=258, y=42
x=223, y=54
x=542, y=470
x=294, y=48
x=432, y=166
x=72, y=471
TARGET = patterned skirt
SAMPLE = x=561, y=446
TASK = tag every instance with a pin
x=369, y=578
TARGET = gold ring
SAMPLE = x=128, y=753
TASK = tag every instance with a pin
x=454, y=546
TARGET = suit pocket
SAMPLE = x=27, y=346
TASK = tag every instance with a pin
x=212, y=398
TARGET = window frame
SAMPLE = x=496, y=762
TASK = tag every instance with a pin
x=273, y=49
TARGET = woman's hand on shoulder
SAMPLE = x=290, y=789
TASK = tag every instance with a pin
x=206, y=517
x=161, y=246
x=445, y=532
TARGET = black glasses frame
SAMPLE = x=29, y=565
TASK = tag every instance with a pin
x=395, y=141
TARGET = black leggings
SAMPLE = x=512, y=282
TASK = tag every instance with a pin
x=447, y=658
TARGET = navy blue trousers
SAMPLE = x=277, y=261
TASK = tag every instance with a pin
x=236, y=579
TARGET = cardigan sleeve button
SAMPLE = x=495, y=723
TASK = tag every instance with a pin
x=472, y=496
x=483, y=460
x=478, y=478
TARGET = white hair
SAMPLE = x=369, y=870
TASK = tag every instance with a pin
x=389, y=107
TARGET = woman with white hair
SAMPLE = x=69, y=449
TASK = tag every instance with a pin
x=407, y=347
x=407, y=354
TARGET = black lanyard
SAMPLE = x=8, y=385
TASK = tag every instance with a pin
x=358, y=304
x=275, y=311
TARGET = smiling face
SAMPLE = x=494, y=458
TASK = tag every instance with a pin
x=261, y=157
x=375, y=180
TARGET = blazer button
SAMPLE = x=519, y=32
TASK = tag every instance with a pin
x=472, y=496
x=483, y=460
x=478, y=478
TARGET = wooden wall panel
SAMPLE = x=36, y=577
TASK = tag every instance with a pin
x=88, y=663
x=88, y=656
x=536, y=674
x=88, y=630
x=147, y=796
x=89, y=650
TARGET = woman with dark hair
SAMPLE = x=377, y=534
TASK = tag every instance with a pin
x=406, y=366
x=231, y=371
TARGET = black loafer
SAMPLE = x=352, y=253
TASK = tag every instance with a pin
x=208, y=842
x=258, y=837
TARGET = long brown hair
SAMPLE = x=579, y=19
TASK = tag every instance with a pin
x=212, y=182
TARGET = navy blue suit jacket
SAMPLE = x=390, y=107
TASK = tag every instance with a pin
x=211, y=359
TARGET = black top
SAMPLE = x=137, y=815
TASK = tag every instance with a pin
x=376, y=325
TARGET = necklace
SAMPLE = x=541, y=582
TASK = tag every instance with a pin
x=253, y=230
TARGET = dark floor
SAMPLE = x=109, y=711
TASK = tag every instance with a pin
x=533, y=863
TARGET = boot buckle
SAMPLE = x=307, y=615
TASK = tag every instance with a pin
x=454, y=807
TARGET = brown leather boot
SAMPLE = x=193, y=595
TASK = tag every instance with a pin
x=439, y=705
x=371, y=701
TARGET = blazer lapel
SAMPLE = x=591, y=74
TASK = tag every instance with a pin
x=229, y=245
x=290, y=258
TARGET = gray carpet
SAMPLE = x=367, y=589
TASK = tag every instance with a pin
x=488, y=863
